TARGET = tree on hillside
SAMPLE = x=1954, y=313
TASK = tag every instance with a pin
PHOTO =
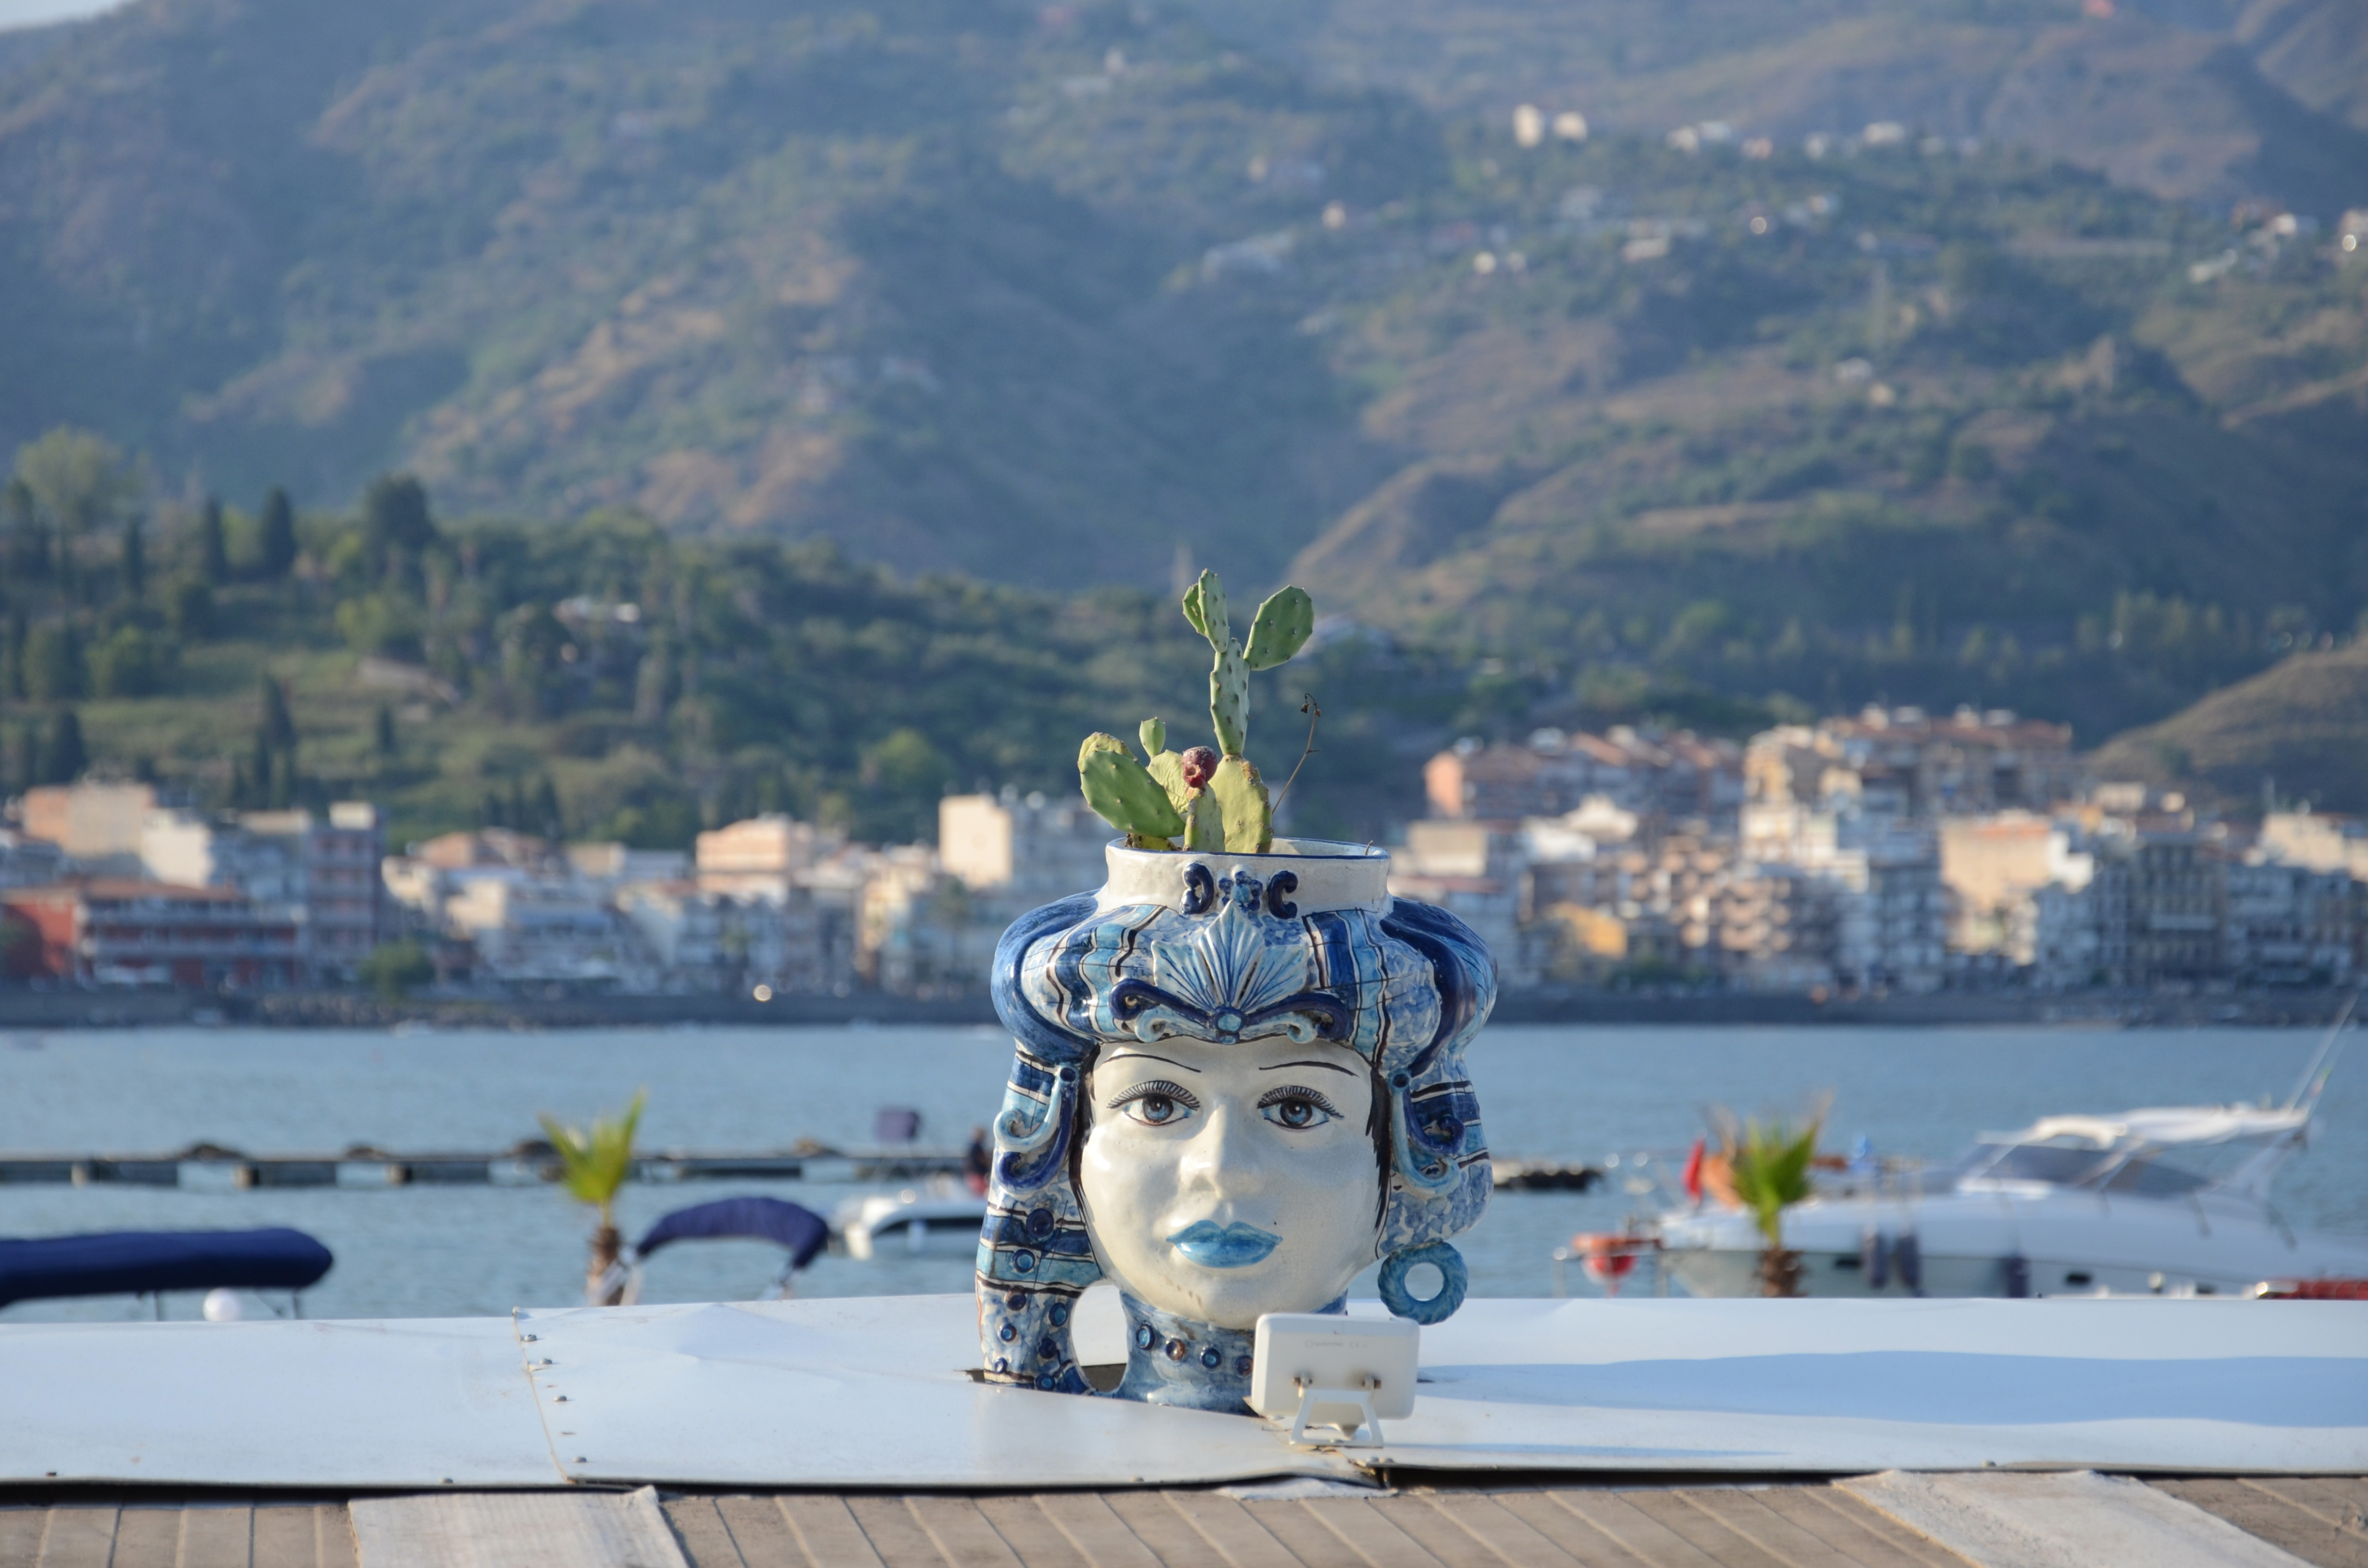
x=81, y=480
x=214, y=551
x=64, y=758
x=28, y=540
x=53, y=664
x=128, y=664
x=135, y=559
x=396, y=521
x=278, y=545
x=279, y=729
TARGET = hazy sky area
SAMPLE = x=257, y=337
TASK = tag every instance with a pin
x=31, y=13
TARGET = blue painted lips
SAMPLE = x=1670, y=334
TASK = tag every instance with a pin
x=1213, y=1245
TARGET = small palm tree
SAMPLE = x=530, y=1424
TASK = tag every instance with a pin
x=1770, y=1164
x=592, y=1166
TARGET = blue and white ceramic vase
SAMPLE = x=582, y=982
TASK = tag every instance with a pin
x=1239, y=1082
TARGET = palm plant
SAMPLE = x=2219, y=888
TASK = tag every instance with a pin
x=1770, y=1164
x=592, y=1166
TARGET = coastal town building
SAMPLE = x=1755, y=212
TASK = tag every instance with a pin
x=128, y=932
x=1901, y=761
x=89, y=821
x=1887, y=851
x=322, y=872
x=1666, y=776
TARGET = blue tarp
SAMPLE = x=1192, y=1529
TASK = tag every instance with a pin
x=801, y=1229
x=137, y=1262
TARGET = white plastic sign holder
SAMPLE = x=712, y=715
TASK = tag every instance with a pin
x=1323, y=1369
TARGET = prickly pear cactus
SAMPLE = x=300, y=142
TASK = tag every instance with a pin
x=1219, y=803
x=1124, y=794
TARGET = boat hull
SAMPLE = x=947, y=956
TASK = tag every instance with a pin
x=2068, y=1243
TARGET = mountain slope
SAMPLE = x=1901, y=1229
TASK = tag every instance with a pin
x=2316, y=50
x=2301, y=726
x=731, y=265
x=2186, y=100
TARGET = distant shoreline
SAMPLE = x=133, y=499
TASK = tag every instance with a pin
x=28, y=1010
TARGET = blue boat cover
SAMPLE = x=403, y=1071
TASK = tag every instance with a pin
x=136, y=1262
x=799, y=1229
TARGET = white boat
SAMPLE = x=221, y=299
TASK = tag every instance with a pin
x=944, y=1222
x=2171, y=1201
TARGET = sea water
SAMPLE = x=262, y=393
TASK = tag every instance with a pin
x=1577, y=1095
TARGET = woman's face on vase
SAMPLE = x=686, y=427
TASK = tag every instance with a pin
x=1225, y=1181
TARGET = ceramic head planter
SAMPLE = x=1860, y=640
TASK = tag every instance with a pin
x=1239, y=1082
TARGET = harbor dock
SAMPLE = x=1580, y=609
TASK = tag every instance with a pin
x=205, y=1166
x=1419, y=1523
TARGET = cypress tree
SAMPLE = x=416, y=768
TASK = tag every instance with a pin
x=213, y=550
x=278, y=726
x=384, y=736
x=551, y=823
x=136, y=560
x=279, y=535
x=65, y=758
x=257, y=791
x=396, y=521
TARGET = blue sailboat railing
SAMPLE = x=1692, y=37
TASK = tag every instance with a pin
x=796, y=1229
x=142, y=1263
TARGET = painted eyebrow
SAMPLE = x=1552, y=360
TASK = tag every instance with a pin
x=1327, y=1067
x=1147, y=1056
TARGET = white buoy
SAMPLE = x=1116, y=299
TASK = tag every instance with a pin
x=223, y=1305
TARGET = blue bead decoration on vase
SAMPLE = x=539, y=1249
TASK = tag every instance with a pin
x=1240, y=1081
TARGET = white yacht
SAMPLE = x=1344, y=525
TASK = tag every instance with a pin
x=942, y=1221
x=2171, y=1201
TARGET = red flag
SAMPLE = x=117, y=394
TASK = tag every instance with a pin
x=1694, y=1171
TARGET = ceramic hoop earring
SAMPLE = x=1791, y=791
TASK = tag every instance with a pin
x=1454, y=1281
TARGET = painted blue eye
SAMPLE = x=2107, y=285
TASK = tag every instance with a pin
x=1157, y=1104
x=1157, y=1110
x=1297, y=1112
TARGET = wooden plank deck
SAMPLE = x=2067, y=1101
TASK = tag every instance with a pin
x=2321, y=1521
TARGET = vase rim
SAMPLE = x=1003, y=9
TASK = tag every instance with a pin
x=1329, y=873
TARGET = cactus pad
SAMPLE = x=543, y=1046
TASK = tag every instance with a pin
x=1241, y=795
x=1229, y=699
x=1204, y=607
x=1124, y=794
x=1154, y=736
x=1282, y=628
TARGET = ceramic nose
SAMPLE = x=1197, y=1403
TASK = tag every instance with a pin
x=1224, y=1160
